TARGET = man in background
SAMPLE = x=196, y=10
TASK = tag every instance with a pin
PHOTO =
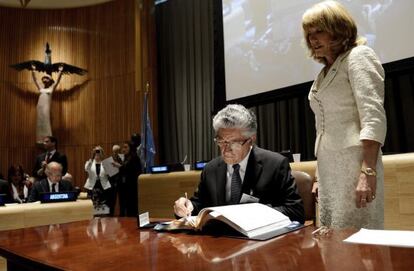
x=52, y=183
x=50, y=155
x=5, y=189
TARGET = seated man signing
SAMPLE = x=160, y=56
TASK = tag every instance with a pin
x=244, y=172
x=52, y=183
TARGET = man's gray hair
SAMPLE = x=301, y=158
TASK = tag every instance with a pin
x=236, y=116
x=53, y=165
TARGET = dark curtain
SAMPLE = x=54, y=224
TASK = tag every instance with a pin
x=192, y=88
x=186, y=76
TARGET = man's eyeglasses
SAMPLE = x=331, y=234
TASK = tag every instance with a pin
x=234, y=145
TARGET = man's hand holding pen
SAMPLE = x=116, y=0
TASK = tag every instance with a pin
x=183, y=207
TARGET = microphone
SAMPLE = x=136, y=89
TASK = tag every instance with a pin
x=185, y=159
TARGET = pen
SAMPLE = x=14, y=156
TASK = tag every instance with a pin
x=186, y=200
x=317, y=230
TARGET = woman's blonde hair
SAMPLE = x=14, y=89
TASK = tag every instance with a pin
x=100, y=149
x=333, y=18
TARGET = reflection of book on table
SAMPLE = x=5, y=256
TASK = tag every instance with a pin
x=215, y=252
x=253, y=220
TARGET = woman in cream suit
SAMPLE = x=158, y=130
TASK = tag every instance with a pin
x=347, y=98
x=97, y=184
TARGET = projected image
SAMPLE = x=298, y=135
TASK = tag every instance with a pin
x=264, y=47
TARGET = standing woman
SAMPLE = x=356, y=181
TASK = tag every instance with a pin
x=43, y=124
x=347, y=98
x=128, y=188
x=97, y=184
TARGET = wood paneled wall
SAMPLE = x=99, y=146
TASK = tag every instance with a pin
x=114, y=42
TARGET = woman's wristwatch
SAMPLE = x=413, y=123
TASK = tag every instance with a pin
x=368, y=171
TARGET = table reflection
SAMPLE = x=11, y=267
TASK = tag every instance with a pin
x=101, y=229
x=240, y=253
x=370, y=257
x=54, y=236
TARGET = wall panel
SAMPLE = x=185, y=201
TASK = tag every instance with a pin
x=103, y=107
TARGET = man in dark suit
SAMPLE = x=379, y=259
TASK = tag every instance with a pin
x=51, y=155
x=5, y=189
x=52, y=183
x=243, y=172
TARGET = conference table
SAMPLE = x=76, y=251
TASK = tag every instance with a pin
x=111, y=243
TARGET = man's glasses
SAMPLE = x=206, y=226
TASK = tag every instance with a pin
x=234, y=145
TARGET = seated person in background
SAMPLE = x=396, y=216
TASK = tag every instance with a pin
x=51, y=155
x=52, y=183
x=243, y=168
x=5, y=188
x=20, y=185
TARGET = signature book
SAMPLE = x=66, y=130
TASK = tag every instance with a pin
x=251, y=220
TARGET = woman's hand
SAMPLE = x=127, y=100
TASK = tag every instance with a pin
x=365, y=190
x=315, y=187
x=60, y=68
x=116, y=164
x=367, y=182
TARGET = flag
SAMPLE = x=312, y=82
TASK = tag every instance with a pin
x=147, y=150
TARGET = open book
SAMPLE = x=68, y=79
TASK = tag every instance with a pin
x=253, y=220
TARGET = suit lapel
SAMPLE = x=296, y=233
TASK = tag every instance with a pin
x=253, y=172
x=61, y=188
x=221, y=177
x=42, y=157
x=45, y=185
x=322, y=83
x=54, y=156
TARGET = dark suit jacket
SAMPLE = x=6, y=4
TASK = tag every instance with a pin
x=57, y=157
x=267, y=178
x=5, y=189
x=43, y=186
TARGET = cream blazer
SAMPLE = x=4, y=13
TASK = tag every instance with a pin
x=349, y=101
x=90, y=167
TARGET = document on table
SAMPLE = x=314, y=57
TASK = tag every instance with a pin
x=110, y=169
x=383, y=237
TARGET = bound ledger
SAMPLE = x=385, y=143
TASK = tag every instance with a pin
x=252, y=220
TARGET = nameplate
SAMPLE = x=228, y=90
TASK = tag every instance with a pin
x=48, y=197
x=144, y=219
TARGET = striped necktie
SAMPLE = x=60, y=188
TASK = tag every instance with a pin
x=236, y=185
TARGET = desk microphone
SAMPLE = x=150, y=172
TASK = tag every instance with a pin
x=185, y=159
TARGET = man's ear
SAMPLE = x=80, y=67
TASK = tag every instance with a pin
x=253, y=139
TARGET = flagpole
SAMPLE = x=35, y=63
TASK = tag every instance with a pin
x=145, y=125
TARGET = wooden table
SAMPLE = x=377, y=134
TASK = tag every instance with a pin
x=117, y=244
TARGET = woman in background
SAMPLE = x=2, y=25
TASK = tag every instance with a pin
x=347, y=98
x=97, y=184
x=128, y=188
x=20, y=185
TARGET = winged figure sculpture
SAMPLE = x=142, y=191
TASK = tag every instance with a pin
x=47, y=66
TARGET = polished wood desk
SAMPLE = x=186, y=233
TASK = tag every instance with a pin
x=117, y=244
